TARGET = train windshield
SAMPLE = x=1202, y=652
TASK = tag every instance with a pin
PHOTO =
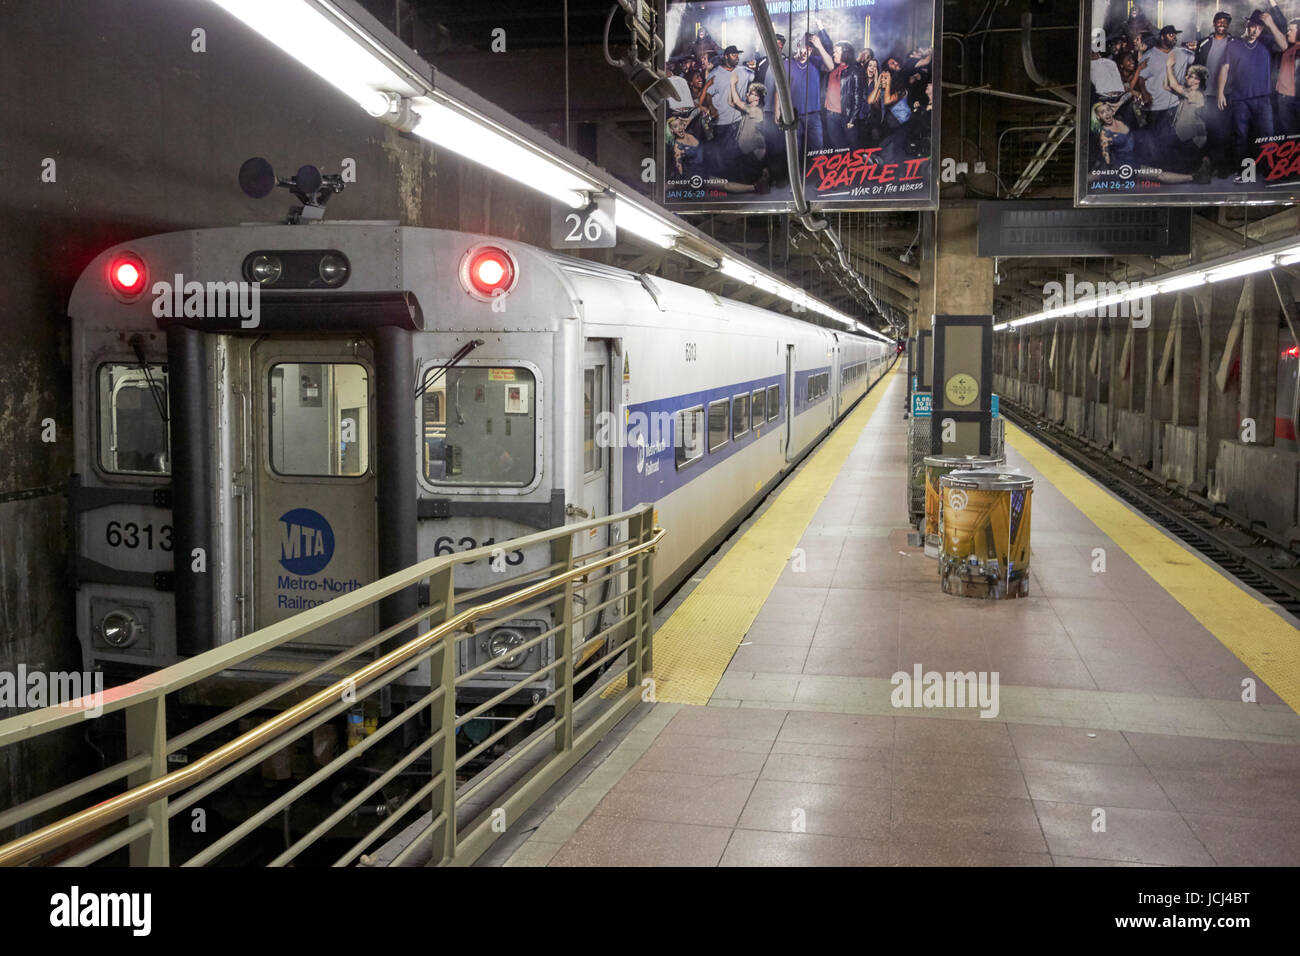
x=133, y=435
x=320, y=421
x=480, y=426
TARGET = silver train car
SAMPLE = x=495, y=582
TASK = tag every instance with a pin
x=269, y=416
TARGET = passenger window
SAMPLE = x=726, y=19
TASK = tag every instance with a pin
x=689, y=439
x=320, y=420
x=593, y=387
x=740, y=415
x=757, y=406
x=134, y=438
x=773, y=402
x=479, y=426
x=719, y=424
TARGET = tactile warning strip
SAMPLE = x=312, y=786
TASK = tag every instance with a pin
x=1262, y=640
x=695, y=645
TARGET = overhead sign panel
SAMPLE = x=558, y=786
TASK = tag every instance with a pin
x=1188, y=103
x=863, y=80
x=1049, y=227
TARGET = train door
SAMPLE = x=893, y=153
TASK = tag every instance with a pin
x=789, y=398
x=314, y=484
x=597, y=425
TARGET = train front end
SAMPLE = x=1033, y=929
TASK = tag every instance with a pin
x=268, y=417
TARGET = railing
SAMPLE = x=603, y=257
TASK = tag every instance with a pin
x=140, y=818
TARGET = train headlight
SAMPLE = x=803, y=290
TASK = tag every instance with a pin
x=502, y=644
x=119, y=628
x=266, y=269
x=127, y=275
x=488, y=271
x=333, y=269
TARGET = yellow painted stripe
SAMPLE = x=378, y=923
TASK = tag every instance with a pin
x=1261, y=639
x=697, y=642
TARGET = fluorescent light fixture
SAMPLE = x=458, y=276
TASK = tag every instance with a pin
x=629, y=217
x=868, y=330
x=325, y=39
x=740, y=271
x=1181, y=282
x=323, y=44
x=460, y=133
x=1288, y=259
x=1140, y=290
x=1245, y=267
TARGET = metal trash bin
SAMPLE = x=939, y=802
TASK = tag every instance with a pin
x=985, y=534
x=936, y=466
x=918, y=446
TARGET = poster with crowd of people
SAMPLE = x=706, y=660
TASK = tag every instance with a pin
x=862, y=79
x=1189, y=102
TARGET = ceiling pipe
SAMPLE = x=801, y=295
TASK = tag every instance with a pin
x=788, y=121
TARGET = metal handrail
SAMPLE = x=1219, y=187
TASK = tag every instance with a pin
x=156, y=685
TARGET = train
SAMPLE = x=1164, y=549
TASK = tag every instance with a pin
x=269, y=416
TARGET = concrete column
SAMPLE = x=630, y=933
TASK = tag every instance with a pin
x=1260, y=347
x=1218, y=410
x=954, y=279
x=1186, y=378
x=923, y=318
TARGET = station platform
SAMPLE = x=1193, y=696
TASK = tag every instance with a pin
x=1120, y=735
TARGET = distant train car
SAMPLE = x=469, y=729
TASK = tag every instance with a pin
x=269, y=416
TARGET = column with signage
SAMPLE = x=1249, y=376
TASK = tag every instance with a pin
x=918, y=435
x=962, y=367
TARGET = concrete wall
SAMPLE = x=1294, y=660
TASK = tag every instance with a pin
x=147, y=136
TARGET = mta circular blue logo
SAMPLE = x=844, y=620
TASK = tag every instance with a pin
x=306, y=543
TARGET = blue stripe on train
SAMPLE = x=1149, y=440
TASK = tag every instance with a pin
x=649, y=460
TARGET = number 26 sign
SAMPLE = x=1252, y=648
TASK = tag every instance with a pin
x=589, y=228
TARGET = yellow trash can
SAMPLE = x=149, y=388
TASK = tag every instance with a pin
x=936, y=466
x=985, y=532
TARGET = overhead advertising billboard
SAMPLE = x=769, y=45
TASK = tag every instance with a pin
x=1188, y=102
x=863, y=78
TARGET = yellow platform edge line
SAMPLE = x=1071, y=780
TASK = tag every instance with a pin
x=1260, y=638
x=694, y=646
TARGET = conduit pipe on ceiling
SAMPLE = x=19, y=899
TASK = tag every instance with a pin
x=788, y=121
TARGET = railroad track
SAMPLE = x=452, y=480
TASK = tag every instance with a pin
x=1247, y=551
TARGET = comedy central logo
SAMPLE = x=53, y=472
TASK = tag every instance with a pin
x=307, y=541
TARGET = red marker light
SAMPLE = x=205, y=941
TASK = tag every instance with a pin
x=1293, y=351
x=490, y=272
x=126, y=273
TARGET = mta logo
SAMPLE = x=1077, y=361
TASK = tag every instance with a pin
x=307, y=541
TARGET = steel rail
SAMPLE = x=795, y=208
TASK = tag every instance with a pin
x=85, y=821
x=1231, y=556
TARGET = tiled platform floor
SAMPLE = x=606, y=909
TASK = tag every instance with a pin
x=1117, y=710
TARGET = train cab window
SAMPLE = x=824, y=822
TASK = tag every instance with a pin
x=719, y=424
x=133, y=435
x=773, y=402
x=689, y=439
x=320, y=419
x=740, y=415
x=758, y=406
x=479, y=426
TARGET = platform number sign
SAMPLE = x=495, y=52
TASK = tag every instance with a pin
x=589, y=228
